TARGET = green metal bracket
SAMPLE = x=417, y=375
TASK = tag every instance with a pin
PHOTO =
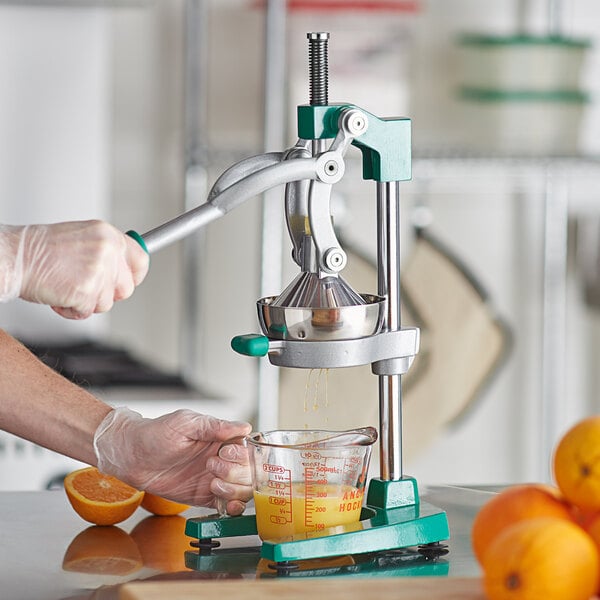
x=385, y=146
x=398, y=519
x=220, y=527
x=387, y=530
x=393, y=494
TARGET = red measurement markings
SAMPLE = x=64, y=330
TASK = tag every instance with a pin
x=279, y=487
x=315, y=487
x=350, y=469
x=309, y=497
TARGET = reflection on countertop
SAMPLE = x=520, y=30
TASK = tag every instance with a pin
x=49, y=553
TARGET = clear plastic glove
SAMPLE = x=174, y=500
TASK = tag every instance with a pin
x=77, y=268
x=179, y=456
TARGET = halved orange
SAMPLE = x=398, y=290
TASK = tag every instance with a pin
x=101, y=499
x=103, y=551
x=162, y=507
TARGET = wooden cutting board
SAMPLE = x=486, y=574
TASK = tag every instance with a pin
x=338, y=588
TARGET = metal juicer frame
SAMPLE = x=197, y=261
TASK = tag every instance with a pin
x=385, y=146
x=393, y=516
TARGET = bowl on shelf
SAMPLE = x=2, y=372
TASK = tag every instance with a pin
x=521, y=62
x=522, y=123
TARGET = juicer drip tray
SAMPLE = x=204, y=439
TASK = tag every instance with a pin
x=94, y=364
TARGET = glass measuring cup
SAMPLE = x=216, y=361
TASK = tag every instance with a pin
x=306, y=481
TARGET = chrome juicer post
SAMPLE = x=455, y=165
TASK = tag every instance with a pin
x=388, y=283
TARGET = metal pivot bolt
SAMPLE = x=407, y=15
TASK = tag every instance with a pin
x=354, y=121
x=318, y=68
x=335, y=259
x=331, y=167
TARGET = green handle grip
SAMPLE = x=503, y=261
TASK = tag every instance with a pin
x=251, y=344
x=138, y=238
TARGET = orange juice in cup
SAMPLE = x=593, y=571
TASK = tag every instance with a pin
x=308, y=481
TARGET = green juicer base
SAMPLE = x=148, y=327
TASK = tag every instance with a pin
x=393, y=517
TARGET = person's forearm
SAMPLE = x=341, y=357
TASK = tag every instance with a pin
x=41, y=406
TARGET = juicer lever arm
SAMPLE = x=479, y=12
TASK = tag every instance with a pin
x=242, y=169
x=296, y=205
x=234, y=187
x=330, y=256
x=255, y=175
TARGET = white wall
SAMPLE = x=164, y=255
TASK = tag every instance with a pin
x=149, y=180
x=55, y=133
x=119, y=71
x=494, y=219
x=147, y=166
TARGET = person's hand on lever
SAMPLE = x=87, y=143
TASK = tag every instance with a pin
x=77, y=268
x=180, y=456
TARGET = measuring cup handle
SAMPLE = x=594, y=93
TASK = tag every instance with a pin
x=221, y=503
x=222, y=507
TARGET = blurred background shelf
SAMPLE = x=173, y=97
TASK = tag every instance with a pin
x=143, y=104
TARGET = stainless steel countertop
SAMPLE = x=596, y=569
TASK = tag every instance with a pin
x=38, y=527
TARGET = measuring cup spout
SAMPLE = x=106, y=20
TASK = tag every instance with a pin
x=364, y=436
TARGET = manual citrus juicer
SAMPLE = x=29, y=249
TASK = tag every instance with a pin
x=319, y=321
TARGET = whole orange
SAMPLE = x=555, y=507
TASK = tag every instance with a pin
x=162, y=542
x=512, y=505
x=158, y=505
x=538, y=558
x=576, y=464
x=592, y=526
x=101, y=499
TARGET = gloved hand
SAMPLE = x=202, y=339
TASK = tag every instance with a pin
x=178, y=456
x=77, y=268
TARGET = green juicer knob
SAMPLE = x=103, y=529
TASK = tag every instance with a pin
x=251, y=344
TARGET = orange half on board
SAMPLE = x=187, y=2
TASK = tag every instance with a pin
x=101, y=499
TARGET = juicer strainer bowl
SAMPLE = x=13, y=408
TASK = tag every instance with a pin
x=321, y=324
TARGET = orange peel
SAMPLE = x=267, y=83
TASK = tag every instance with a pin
x=162, y=507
